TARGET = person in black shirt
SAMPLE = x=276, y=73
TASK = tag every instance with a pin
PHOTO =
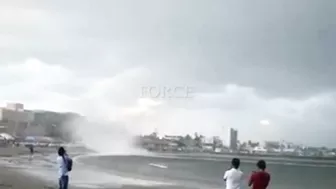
x=31, y=149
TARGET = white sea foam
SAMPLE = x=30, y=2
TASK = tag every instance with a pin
x=158, y=165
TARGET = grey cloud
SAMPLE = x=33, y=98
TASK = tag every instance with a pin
x=281, y=48
x=277, y=49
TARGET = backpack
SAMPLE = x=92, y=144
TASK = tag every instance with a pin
x=68, y=163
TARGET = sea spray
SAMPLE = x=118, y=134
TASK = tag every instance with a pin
x=104, y=137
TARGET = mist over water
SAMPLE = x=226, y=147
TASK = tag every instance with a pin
x=105, y=137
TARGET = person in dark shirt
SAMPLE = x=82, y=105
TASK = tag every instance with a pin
x=260, y=179
x=31, y=149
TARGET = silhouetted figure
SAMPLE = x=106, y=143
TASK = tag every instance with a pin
x=31, y=149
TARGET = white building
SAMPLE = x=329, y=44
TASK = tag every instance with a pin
x=172, y=137
x=7, y=136
x=259, y=149
x=14, y=119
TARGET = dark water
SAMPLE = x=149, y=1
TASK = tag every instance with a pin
x=205, y=173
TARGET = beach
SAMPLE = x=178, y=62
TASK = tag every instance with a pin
x=13, y=177
x=153, y=171
x=17, y=172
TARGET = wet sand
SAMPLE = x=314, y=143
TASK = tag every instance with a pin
x=12, y=178
x=16, y=177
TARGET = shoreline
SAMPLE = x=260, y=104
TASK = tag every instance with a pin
x=15, y=174
x=14, y=177
x=248, y=156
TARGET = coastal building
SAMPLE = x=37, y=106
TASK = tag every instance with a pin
x=259, y=150
x=208, y=140
x=14, y=119
x=52, y=124
x=172, y=137
x=154, y=144
x=207, y=147
x=252, y=144
x=272, y=146
x=36, y=130
x=233, y=139
x=15, y=106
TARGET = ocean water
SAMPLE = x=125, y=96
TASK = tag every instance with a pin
x=172, y=171
x=83, y=176
x=207, y=172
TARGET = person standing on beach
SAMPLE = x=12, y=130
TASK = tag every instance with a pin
x=233, y=177
x=63, y=171
x=260, y=179
x=31, y=149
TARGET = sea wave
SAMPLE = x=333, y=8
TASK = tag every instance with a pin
x=117, y=179
x=158, y=165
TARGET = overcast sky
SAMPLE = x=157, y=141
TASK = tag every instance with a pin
x=246, y=61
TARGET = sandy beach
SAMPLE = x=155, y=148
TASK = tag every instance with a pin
x=14, y=177
x=11, y=178
x=17, y=173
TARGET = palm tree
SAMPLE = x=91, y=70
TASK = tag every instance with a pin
x=188, y=137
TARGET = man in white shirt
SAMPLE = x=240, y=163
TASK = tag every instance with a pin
x=63, y=177
x=234, y=177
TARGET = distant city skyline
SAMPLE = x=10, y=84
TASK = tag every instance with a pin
x=229, y=141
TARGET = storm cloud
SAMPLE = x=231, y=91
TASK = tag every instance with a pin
x=246, y=61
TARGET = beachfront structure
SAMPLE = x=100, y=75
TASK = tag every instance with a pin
x=270, y=145
x=14, y=119
x=208, y=147
x=15, y=106
x=233, y=139
x=36, y=130
x=53, y=124
x=7, y=136
x=259, y=150
x=172, y=137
